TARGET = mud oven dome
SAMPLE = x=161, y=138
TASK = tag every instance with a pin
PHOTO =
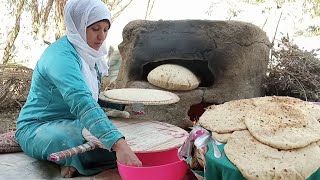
x=229, y=57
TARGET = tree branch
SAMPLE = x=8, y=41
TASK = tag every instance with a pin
x=116, y=14
x=35, y=16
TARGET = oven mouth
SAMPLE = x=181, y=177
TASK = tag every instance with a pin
x=199, y=68
x=196, y=110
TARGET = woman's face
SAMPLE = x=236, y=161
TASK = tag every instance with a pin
x=96, y=34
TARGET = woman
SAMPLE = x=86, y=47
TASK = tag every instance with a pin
x=64, y=93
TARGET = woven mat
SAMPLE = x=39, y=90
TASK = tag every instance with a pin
x=8, y=143
x=150, y=136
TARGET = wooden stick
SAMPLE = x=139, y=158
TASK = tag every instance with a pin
x=88, y=146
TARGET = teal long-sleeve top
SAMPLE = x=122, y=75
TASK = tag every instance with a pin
x=58, y=91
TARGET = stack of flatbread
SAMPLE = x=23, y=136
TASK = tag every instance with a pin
x=270, y=137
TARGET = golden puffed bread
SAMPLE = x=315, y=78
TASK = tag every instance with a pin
x=282, y=126
x=221, y=137
x=259, y=161
x=227, y=117
x=173, y=77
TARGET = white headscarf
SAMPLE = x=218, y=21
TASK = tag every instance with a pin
x=78, y=15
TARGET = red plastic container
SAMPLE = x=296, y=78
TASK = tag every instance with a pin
x=156, y=166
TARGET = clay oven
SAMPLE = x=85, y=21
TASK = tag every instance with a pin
x=229, y=57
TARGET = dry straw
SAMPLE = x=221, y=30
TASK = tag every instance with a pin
x=293, y=72
x=14, y=85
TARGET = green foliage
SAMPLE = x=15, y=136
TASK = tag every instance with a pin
x=316, y=7
x=314, y=30
x=254, y=1
x=310, y=32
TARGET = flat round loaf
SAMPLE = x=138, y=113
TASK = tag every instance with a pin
x=229, y=117
x=283, y=126
x=311, y=108
x=136, y=95
x=173, y=77
x=261, y=101
x=223, y=138
x=226, y=117
x=259, y=161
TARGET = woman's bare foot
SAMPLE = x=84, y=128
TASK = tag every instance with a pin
x=67, y=171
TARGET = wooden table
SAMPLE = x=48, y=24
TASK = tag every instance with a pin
x=150, y=136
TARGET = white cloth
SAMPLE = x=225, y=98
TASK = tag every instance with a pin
x=78, y=15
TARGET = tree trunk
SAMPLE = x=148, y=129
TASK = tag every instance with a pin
x=116, y=14
x=40, y=19
x=13, y=33
x=149, y=8
x=59, y=18
x=35, y=16
x=115, y=4
x=44, y=18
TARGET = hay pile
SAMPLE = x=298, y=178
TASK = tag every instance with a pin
x=14, y=85
x=293, y=72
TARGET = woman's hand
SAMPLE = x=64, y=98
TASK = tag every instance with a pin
x=125, y=155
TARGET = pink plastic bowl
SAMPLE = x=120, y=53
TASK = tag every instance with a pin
x=156, y=166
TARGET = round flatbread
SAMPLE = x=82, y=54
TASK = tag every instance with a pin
x=223, y=138
x=259, y=161
x=136, y=95
x=173, y=77
x=227, y=117
x=282, y=126
x=276, y=99
x=310, y=107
